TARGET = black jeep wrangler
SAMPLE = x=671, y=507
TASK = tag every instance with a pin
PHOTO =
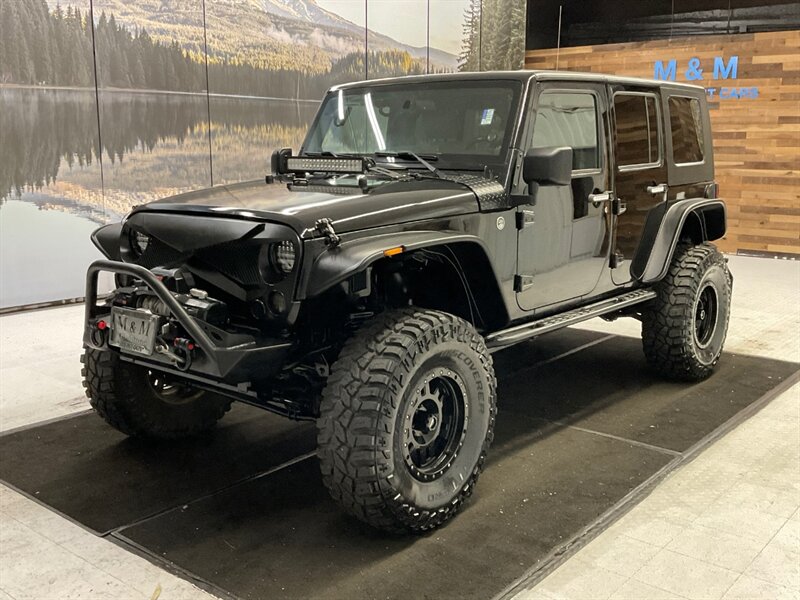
x=425, y=223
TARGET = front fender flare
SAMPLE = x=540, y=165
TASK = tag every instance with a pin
x=106, y=239
x=669, y=233
x=338, y=263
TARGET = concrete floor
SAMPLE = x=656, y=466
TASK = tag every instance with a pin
x=728, y=524
x=725, y=524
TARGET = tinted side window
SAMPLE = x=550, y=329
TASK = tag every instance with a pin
x=637, y=137
x=568, y=119
x=687, y=130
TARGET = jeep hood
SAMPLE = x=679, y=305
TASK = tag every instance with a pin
x=349, y=208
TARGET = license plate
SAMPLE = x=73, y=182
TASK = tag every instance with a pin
x=133, y=330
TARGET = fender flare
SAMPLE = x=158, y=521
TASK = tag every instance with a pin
x=106, y=239
x=337, y=264
x=669, y=232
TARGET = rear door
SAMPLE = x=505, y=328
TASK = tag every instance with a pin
x=640, y=172
x=564, y=239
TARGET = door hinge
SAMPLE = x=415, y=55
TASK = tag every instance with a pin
x=525, y=218
x=522, y=282
x=618, y=207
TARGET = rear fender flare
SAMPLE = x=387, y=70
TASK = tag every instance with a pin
x=710, y=218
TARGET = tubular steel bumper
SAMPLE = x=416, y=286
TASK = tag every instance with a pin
x=231, y=357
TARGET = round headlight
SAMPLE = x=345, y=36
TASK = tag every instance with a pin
x=139, y=242
x=283, y=256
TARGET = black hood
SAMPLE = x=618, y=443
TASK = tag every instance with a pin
x=348, y=207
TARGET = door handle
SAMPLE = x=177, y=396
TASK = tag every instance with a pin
x=661, y=188
x=601, y=197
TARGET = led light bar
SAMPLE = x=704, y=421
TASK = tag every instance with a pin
x=301, y=164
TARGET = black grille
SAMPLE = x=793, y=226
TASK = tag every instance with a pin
x=159, y=254
x=236, y=261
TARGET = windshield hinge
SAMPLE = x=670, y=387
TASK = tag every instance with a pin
x=325, y=227
x=525, y=218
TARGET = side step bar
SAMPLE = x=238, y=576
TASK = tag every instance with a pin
x=518, y=333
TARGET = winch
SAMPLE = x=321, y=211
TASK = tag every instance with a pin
x=196, y=301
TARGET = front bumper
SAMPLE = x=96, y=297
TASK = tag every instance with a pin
x=230, y=358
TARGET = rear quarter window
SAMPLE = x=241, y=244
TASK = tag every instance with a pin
x=637, y=135
x=686, y=124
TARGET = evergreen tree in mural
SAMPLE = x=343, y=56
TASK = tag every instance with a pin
x=494, y=35
x=42, y=47
x=469, y=59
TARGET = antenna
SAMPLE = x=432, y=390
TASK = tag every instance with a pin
x=672, y=20
x=728, y=27
x=558, y=46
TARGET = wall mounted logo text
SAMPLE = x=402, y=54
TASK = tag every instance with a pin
x=694, y=71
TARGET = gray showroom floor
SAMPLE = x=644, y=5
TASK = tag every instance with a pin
x=724, y=525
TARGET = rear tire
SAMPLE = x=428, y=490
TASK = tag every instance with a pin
x=684, y=327
x=138, y=402
x=406, y=419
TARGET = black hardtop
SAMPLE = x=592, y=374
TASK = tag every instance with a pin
x=524, y=76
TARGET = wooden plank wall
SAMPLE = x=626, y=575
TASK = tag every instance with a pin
x=756, y=140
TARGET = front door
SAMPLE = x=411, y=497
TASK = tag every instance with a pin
x=563, y=243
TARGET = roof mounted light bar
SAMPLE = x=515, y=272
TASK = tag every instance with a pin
x=284, y=163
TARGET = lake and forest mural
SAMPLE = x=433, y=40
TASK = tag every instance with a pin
x=107, y=104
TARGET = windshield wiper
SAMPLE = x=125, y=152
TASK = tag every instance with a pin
x=421, y=159
x=407, y=155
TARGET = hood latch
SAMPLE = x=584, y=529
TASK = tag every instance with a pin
x=325, y=227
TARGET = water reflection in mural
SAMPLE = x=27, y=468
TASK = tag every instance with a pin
x=49, y=163
x=246, y=131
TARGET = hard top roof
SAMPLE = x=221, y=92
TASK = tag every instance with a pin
x=523, y=76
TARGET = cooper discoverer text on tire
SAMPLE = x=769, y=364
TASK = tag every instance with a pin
x=138, y=402
x=684, y=328
x=406, y=419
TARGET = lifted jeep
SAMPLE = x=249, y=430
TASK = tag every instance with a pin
x=425, y=223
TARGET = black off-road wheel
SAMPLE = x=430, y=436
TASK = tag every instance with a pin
x=144, y=403
x=684, y=328
x=407, y=417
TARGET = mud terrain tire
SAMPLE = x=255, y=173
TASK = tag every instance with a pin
x=407, y=417
x=684, y=327
x=137, y=403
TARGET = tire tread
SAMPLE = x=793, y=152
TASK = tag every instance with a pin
x=667, y=334
x=355, y=421
x=117, y=398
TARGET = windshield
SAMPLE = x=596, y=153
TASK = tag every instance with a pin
x=460, y=124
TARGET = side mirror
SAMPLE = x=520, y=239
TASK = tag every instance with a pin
x=548, y=166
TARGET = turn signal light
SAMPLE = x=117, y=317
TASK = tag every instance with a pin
x=394, y=251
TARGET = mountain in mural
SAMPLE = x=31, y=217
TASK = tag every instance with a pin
x=309, y=11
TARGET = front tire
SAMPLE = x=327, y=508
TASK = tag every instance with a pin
x=406, y=419
x=144, y=403
x=684, y=327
